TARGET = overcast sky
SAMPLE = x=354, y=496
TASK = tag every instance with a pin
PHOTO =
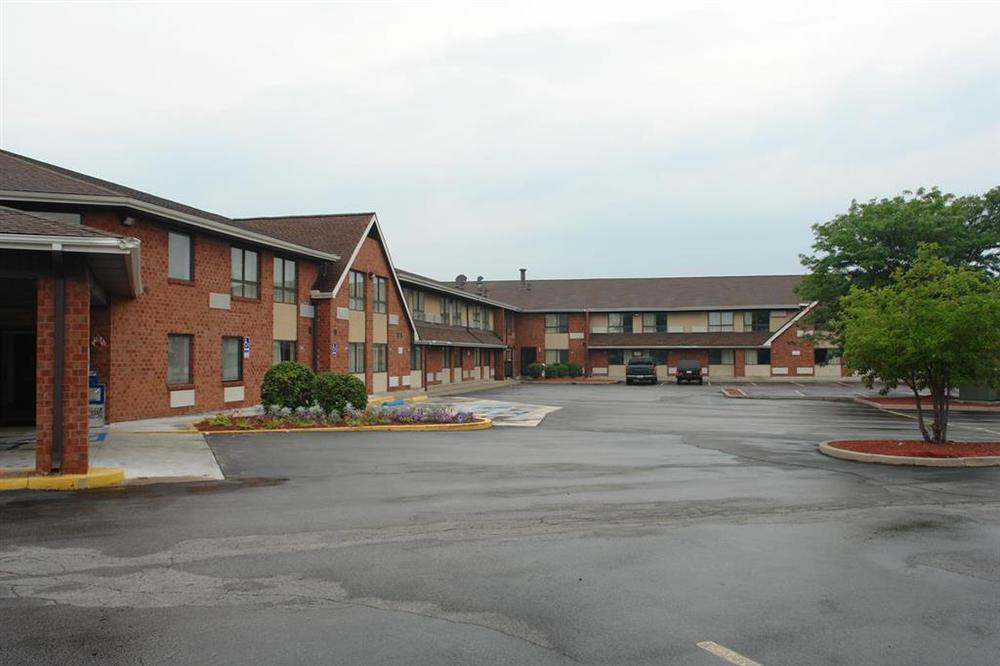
x=617, y=139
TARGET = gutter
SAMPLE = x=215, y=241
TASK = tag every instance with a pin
x=791, y=322
x=128, y=247
x=214, y=226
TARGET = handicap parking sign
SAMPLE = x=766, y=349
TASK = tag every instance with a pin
x=246, y=346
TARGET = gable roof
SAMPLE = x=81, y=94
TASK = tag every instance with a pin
x=663, y=293
x=25, y=179
x=409, y=277
x=14, y=221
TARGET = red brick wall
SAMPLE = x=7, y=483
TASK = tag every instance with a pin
x=578, y=348
x=530, y=330
x=137, y=377
x=782, y=353
x=76, y=366
x=739, y=360
x=433, y=363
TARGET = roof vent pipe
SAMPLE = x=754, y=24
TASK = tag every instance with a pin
x=524, y=276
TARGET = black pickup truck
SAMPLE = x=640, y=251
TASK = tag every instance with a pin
x=640, y=369
x=689, y=371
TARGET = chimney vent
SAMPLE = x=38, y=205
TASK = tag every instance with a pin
x=524, y=276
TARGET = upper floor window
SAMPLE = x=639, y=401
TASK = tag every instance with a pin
x=654, y=322
x=445, y=310
x=179, y=256
x=477, y=316
x=619, y=322
x=356, y=290
x=456, y=312
x=284, y=281
x=720, y=321
x=557, y=323
x=757, y=320
x=243, y=273
x=381, y=296
x=415, y=300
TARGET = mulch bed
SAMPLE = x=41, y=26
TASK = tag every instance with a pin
x=916, y=448
x=889, y=401
x=256, y=423
x=574, y=380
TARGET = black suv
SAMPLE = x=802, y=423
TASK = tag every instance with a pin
x=689, y=371
x=641, y=369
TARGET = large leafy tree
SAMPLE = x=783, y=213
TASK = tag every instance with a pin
x=865, y=246
x=933, y=327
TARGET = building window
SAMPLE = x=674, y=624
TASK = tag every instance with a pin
x=356, y=357
x=415, y=300
x=826, y=357
x=179, y=359
x=658, y=355
x=416, y=357
x=654, y=322
x=381, y=296
x=379, y=357
x=476, y=357
x=757, y=320
x=446, y=357
x=757, y=357
x=556, y=356
x=243, y=273
x=620, y=322
x=284, y=350
x=284, y=281
x=720, y=321
x=720, y=357
x=456, y=312
x=477, y=316
x=232, y=359
x=616, y=357
x=178, y=256
x=557, y=323
x=356, y=290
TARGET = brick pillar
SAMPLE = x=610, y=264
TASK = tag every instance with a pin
x=739, y=361
x=76, y=365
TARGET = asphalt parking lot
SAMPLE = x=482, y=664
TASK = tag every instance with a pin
x=631, y=525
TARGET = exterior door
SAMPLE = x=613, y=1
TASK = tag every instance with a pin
x=527, y=358
x=17, y=377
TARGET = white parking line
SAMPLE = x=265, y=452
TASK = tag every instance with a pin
x=727, y=654
x=800, y=392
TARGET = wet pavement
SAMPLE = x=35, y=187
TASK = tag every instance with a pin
x=627, y=527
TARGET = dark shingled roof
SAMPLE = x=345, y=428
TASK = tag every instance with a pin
x=648, y=293
x=337, y=234
x=457, y=335
x=643, y=340
x=13, y=221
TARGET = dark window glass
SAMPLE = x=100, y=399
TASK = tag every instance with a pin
x=243, y=273
x=416, y=357
x=178, y=256
x=757, y=320
x=616, y=357
x=232, y=359
x=284, y=281
x=356, y=357
x=379, y=357
x=284, y=350
x=381, y=299
x=179, y=359
x=356, y=291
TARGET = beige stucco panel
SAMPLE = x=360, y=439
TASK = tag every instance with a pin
x=757, y=370
x=356, y=326
x=599, y=322
x=285, y=325
x=688, y=322
x=827, y=370
x=716, y=371
x=616, y=371
x=380, y=328
x=380, y=382
x=557, y=340
x=415, y=378
x=779, y=321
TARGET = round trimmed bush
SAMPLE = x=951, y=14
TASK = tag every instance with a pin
x=574, y=369
x=333, y=391
x=287, y=384
x=535, y=370
x=562, y=370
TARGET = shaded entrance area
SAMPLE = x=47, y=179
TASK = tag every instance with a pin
x=17, y=353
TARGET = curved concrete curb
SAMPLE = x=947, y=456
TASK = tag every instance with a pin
x=881, y=459
x=96, y=477
x=481, y=424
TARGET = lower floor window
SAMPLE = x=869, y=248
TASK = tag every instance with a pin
x=477, y=357
x=826, y=357
x=232, y=359
x=720, y=356
x=556, y=356
x=446, y=357
x=616, y=357
x=284, y=350
x=179, y=359
x=356, y=357
x=758, y=357
x=379, y=358
x=416, y=357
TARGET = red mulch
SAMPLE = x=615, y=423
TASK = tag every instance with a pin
x=926, y=401
x=919, y=449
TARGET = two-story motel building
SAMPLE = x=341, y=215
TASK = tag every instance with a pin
x=171, y=310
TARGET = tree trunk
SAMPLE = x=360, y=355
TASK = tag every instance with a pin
x=947, y=414
x=920, y=411
x=940, y=400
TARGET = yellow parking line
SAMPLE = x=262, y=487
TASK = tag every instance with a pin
x=727, y=654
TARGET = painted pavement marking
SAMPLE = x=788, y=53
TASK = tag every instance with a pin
x=727, y=654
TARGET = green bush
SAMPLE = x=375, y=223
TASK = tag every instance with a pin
x=574, y=369
x=333, y=392
x=287, y=384
x=562, y=370
x=535, y=370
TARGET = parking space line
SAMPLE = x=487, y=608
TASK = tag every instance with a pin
x=727, y=654
x=800, y=392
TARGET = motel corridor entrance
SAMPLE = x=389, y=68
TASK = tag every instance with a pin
x=17, y=352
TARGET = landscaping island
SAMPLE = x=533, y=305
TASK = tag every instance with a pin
x=915, y=452
x=404, y=418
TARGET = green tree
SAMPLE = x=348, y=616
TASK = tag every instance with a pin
x=865, y=246
x=933, y=327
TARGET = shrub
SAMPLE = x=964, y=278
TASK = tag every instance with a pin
x=334, y=392
x=535, y=370
x=574, y=369
x=551, y=370
x=562, y=370
x=287, y=384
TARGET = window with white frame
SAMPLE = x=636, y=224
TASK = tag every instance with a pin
x=379, y=357
x=243, y=273
x=284, y=281
x=556, y=356
x=654, y=322
x=232, y=359
x=356, y=290
x=757, y=320
x=720, y=321
x=179, y=256
x=380, y=301
x=179, y=359
x=356, y=357
x=619, y=322
x=557, y=323
x=720, y=357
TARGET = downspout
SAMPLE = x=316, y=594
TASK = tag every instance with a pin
x=58, y=358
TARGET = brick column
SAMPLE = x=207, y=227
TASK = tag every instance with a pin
x=76, y=365
x=739, y=361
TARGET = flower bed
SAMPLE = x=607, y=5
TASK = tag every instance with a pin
x=915, y=448
x=314, y=417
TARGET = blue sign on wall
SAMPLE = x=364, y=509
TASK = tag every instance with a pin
x=333, y=348
x=246, y=346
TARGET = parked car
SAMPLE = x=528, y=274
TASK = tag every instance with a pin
x=640, y=369
x=689, y=371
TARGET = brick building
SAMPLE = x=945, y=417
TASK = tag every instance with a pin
x=159, y=308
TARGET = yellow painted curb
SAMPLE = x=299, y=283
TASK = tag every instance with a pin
x=417, y=398
x=96, y=477
x=481, y=424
